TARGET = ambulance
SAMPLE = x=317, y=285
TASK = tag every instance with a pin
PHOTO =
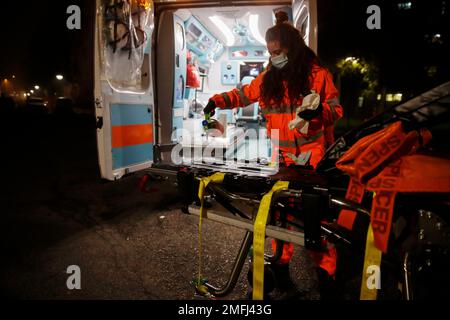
x=157, y=63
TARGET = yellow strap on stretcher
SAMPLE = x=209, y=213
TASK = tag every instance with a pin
x=372, y=259
x=259, y=236
x=215, y=178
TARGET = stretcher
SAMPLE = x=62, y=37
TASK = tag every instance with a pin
x=315, y=198
x=236, y=200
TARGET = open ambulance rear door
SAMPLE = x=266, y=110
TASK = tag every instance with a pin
x=304, y=13
x=123, y=86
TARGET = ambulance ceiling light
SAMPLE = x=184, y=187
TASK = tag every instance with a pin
x=224, y=29
x=254, y=29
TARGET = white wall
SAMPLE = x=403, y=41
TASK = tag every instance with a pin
x=213, y=83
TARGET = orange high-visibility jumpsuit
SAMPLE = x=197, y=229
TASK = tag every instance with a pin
x=319, y=136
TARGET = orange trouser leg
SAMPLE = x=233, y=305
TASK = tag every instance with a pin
x=326, y=259
x=288, y=248
x=288, y=251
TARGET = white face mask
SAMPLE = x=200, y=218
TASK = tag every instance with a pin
x=280, y=60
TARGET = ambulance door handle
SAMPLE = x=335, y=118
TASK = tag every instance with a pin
x=98, y=103
x=99, y=123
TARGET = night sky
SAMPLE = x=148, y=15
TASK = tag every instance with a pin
x=400, y=49
x=36, y=45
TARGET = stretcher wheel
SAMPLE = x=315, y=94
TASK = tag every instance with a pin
x=269, y=278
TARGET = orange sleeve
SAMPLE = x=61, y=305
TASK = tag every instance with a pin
x=239, y=98
x=329, y=96
x=330, y=101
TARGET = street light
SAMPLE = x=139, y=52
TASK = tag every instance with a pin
x=59, y=77
x=36, y=87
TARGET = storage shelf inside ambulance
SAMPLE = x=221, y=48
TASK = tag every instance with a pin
x=227, y=46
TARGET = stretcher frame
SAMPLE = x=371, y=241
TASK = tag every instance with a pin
x=230, y=215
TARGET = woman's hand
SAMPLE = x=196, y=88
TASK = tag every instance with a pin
x=210, y=108
x=308, y=114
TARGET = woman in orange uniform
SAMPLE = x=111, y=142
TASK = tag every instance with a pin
x=293, y=73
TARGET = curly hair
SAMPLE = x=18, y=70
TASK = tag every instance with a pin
x=296, y=73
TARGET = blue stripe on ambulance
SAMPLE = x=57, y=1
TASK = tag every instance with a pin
x=131, y=114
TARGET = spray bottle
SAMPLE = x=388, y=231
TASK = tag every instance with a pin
x=212, y=127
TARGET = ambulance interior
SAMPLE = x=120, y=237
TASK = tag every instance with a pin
x=214, y=50
x=157, y=67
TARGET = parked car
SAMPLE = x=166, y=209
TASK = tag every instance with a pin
x=36, y=105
